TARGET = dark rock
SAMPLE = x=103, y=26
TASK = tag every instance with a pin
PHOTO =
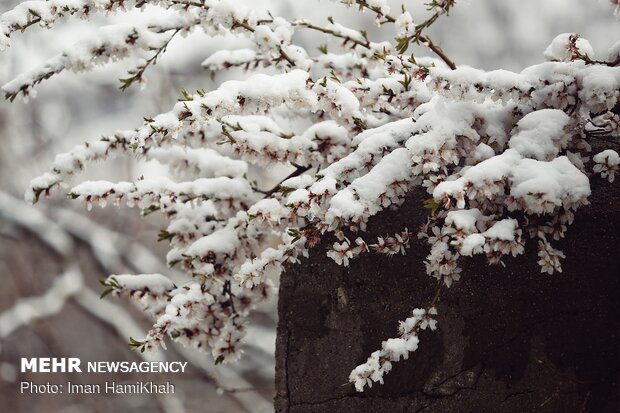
x=509, y=339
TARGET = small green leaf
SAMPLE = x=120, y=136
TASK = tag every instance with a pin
x=402, y=44
x=165, y=235
x=135, y=343
x=150, y=210
x=432, y=204
x=105, y=293
x=333, y=76
x=186, y=96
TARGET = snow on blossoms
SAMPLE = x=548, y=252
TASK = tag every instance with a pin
x=506, y=158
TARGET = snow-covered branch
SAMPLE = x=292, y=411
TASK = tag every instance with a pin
x=505, y=158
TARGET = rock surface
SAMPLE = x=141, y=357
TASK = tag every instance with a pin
x=509, y=339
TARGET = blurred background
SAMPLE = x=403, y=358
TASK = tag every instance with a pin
x=53, y=254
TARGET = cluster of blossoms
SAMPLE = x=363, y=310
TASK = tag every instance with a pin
x=150, y=291
x=380, y=362
x=505, y=157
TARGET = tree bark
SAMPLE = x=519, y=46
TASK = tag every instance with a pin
x=509, y=339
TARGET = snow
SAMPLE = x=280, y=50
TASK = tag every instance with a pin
x=472, y=244
x=369, y=147
x=555, y=182
x=503, y=230
x=252, y=96
x=223, y=241
x=381, y=5
x=149, y=192
x=608, y=155
x=222, y=59
x=256, y=145
x=26, y=12
x=490, y=170
x=541, y=185
x=464, y=219
x=298, y=196
x=539, y=133
x=600, y=87
x=399, y=347
x=298, y=182
x=182, y=300
x=109, y=43
x=483, y=152
x=254, y=123
x=328, y=130
x=364, y=193
x=613, y=53
x=268, y=210
x=559, y=49
x=343, y=61
x=346, y=32
x=338, y=99
x=207, y=162
x=156, y=283
x=257, y=271
x=404, y=23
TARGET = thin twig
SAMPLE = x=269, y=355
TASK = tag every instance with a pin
x=298, y=171
x=311, y=26
x=418, y=37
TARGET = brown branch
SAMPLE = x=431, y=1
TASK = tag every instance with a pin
x=238, y=23
x=418, y=37
x=298, y=171
x=125, y=83
x=333, y=33
x=438, y=51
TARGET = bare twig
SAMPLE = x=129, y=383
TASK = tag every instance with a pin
x=418, y=37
